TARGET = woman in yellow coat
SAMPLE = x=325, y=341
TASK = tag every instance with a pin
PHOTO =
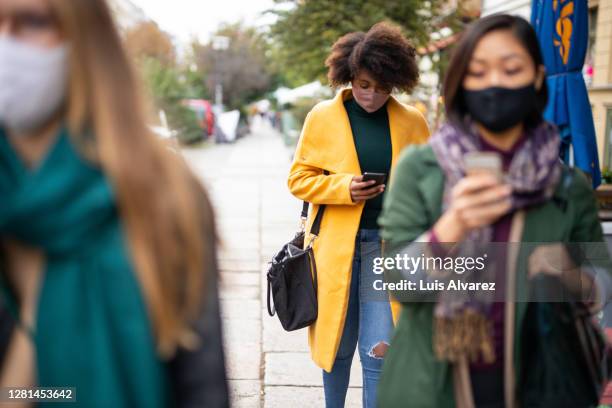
x=363, y=129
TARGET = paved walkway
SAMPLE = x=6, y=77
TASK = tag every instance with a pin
x=267, y=367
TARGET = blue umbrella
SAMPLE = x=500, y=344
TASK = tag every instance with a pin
x=562, y=29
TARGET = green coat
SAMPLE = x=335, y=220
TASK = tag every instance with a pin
x=411, y=374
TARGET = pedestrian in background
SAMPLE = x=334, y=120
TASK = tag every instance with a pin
x=363, y=129
x=107, y=240
x=468, y=354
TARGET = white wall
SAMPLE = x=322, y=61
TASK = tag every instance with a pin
x=517, y=7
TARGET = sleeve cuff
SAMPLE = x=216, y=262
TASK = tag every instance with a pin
x=436, y=247
x=347, y=190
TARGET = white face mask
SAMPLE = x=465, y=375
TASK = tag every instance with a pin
x=33, y=82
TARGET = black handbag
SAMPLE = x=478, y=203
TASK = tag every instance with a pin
x=292, y=278
x=565, y=357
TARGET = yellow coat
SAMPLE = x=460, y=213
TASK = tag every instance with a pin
x=326, y=143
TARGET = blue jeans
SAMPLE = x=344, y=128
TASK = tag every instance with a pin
x=368, y=322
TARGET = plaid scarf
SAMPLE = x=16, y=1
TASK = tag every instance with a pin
x=461, y=326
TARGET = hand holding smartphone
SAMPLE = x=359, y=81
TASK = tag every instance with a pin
x=477, y=200
x=367, y=186
x=379, y=178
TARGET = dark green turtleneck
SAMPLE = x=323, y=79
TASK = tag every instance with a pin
x=373, y=144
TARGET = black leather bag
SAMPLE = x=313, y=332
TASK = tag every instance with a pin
x=565, y=357
x=292, y=279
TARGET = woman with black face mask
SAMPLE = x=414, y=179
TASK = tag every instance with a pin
x=491, y=174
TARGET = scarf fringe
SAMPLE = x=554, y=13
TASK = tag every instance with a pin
x=468, y=334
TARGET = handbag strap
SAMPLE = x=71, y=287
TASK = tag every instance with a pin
x=271, y=309
x=304, y=210
x=314, y=274
x=316, y=224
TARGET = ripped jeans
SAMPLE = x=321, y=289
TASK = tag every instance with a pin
x=368, y=322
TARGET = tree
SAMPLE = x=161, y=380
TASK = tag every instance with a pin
x=242, y=68
x=168, y=83
x=303, y=34
x=168, y=88
x=146, y=40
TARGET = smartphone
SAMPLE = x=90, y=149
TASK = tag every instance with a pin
x=483, y=162
x=380, y=178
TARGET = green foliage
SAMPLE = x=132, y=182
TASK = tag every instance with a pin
x=300, y=109
x=167, y=82
x=168, y=87
x=185, y=123
x=304, y=33
x=194, y=85
x=606, y=176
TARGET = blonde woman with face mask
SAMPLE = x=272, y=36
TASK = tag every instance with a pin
x=361, y=130
x=107, y=259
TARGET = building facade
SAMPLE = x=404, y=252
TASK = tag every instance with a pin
x=517, y=7
x=600, y=87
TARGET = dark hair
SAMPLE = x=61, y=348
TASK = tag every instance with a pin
x=460, y=60
x=383, y=51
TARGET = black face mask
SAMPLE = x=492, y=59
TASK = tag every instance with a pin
x=499, y=109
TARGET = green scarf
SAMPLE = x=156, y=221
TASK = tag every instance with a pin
x=92, y=331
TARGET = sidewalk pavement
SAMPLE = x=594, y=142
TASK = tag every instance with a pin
x=256, y=215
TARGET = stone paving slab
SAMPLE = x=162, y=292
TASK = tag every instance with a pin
x=292, y=219
x=298, y=369
x=240, y=309
x=276, y=339
x=238, y=243
x=242, y=360
x=229, y=211
x=230, y=279
x=278, y=236
x=245, y=393
x=236, y=224
x=239, y=239
x=244, y=184
x=283, y=204
x=239, y=330
x=228, y=254
x=239, y=292
x=238, y=265
x=305, y=397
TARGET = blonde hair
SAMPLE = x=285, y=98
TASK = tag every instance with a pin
x=167, y=216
